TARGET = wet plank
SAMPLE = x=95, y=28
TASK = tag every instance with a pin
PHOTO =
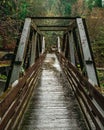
x=53, y=105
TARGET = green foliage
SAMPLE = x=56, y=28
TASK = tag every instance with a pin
x=98, y=45
x=93, y=3
x=16, y=9
x=3, y=77
x=67, y=9
x=98, y=3
x=23, y=9
x=101, y=77
x=7, y=7
x=67, y=6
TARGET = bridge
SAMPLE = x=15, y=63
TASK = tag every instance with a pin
x=52, y=91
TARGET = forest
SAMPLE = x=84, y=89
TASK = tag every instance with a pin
x=13, y=13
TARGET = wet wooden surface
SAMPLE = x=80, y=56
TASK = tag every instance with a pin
x=53, y=105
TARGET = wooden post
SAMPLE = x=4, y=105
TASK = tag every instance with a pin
x=21, y=51
x=33, y=51
x=59, y=47
x=71, y=46
x=43, y=44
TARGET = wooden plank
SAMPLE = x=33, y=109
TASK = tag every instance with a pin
x=93, y=91
x=8, y=114
x=12, y=94
x=11, y=105
x=94, y=106
x=52, y=106
x=93, y=101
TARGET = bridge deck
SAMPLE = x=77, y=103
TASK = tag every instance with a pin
x=53, y=105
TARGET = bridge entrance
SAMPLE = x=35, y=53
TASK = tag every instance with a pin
x=54, y=80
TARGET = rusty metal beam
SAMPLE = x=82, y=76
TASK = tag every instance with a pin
x=52, y=29
x=87, y=55
x=54, y=18
x=71, y=47
x=43, y=45
x=54, y=26
x=21, y=50
x=33, y=49
x=36, y=28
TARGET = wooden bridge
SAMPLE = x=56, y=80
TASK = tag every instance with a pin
x=53, y=91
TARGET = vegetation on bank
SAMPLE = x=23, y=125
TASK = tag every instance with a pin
x=101, y=77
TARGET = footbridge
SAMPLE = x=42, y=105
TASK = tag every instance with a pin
x=57, y=90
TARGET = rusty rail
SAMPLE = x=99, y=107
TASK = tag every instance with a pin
x=89, y=98
x=14, y=102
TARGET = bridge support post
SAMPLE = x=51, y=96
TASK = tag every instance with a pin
x=63, y=44
x=71, y=46
x=40, y=44
x=67, y=46
x=59, y=45
x=43, y=44
x=37, y=47
x=33, y=52
x=76, y=42
x=88, y=60
x=21, y=51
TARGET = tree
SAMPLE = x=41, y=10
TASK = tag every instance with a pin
x=7, y=7
x=93, y=3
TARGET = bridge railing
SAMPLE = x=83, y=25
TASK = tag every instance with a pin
x=76, y=47
x=90, y=99
x=14, y=101
x=19, y=86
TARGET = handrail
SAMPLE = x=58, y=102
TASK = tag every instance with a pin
x=90, y=99
x=14, y=102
